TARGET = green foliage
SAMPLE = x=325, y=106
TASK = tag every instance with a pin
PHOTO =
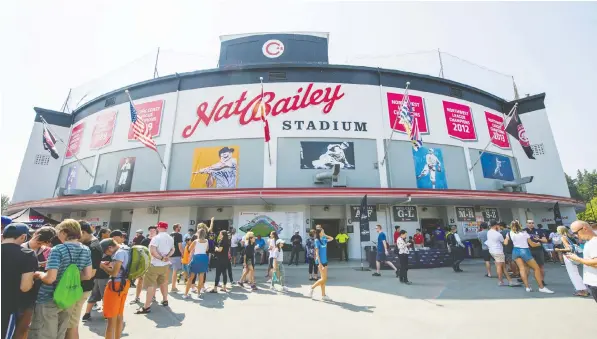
x=584, y=188
x=5, y=202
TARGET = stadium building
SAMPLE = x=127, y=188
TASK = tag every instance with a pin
x=332, y=142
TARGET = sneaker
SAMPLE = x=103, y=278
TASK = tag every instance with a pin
x=175, y=290
x=501, y=283
x=376, y=274
x=194, y=289
x=86, y=316
x=186, y=296
x=241, y=284
x=309, y=293
x=136, y=301
x=513, y=284
x=284, y=289
x=326, y=298
x=397, y=274
x=95, y=307
x=528, y=289
x=254, y=287
x=546, y=290
x=203, y=290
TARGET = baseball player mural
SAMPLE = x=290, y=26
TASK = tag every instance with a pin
x=324, y=155
x=430, y=168
x=215, y=167
x=124, y=175
x=71, y=178
x=496, y=166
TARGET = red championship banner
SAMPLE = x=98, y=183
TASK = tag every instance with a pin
x=103, y=130
x=394, y=101
x=74, y=142
x=497, y=130
x=151, y=113
x=459, y=121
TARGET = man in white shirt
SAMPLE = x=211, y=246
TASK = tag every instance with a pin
x=589, y=259
x=161, y=249
x=234, y=242
x=495, y=245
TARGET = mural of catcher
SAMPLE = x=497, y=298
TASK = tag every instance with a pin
x=334, y=155
x=433, y=165
x=223, y=173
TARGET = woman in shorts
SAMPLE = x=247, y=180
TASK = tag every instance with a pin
x=521, y=254
x=249, y=261
x=199, y=262
x=321, y=259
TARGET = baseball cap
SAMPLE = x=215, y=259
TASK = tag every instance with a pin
x=85, y=227
x=116, y=233
x=139, y=231
x=6, y=220
x=162, y=224
x=15, y=230
x=106, y=243
x=493, y=223
x=279, y=241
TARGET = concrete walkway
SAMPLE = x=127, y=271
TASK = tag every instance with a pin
x=440, y=304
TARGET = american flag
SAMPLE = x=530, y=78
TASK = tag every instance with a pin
x=141, y=131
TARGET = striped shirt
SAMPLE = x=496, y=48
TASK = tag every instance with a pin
x=59, y=259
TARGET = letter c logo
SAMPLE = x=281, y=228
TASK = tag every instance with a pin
x=273, y=48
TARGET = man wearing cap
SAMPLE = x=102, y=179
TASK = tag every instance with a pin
x=5, y=221
x=117, y=288
x=118, y=236
x=17, y=274
x=297, y=243
x=138, y=238
x=161, y=248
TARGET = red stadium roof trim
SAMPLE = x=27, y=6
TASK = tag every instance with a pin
x=226, y=194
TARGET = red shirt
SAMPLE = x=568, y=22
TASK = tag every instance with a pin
x=396, y=235
x=418, y=238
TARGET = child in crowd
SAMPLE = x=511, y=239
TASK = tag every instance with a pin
x=278, y=265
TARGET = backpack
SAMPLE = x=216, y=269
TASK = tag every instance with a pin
x=68, y=290
x=139, y=262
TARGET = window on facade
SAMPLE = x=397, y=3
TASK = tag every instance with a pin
x=538, y=149
x=42, y=159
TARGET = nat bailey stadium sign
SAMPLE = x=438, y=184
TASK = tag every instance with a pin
x=246, y=110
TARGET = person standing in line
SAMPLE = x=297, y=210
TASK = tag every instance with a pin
x=118, y=287
x=482, y=236
x=189, y=234
x=161, y=248
x=278, y=271
x=556, y=240
x=383, y=250
x=234, y=245
x=537, y=250
x=456, y=247
x=49, y=321
x=260, y=249
x=176, y=259
x=342, y=240
x=152, y=232
x=439, y=238
x=93, y=244
x=403, y=251
x=138, y=237
x=571, y=268
x=396, y=233
x=249, y=262
x=18, y=269
x=310, y=254
x=222, y=249
x=103, y=233
x=40, y=244
x=585, y=232
x=297, y=243
x=504, y=230
x=427, y=239
x=321, y=259
x=199, y=261
x=522, y=255
x=495, y=246
x=271, y=245
x=229, y=266
x=418, y=239
x=186, y=261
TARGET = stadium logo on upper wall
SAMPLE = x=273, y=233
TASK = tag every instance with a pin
x=273, y=48
x=522, y=136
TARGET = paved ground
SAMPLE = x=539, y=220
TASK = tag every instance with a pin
x=440, y=304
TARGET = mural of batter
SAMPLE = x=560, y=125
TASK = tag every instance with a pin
x=221, y=174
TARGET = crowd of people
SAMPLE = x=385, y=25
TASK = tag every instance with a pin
x=56, y=276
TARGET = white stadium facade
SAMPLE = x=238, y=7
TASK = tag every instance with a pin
x=331, y=144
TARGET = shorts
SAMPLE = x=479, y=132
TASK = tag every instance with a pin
x=113, y=305
x=186, y=268
x=97, y=293
x=155, y=276
x=498, y=257
x=76, y=310
x=271, y=263
x=508, y=257
x=485, y=254
x=539, y=256
x=199, y=263
x=233, y=251
x=49, y=321
x=250, y=261
x=522, y=253
x=381, y=257
x=176, y=263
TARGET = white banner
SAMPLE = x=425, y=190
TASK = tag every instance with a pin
x=263, y=223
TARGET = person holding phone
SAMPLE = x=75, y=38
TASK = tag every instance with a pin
x=584, y=232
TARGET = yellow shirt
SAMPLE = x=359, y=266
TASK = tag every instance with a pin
x=341, y=238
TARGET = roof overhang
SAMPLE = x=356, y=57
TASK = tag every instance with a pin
x=293, y=196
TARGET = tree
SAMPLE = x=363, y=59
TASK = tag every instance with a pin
x=590, y=212
x=5, y=202
x=584, y=188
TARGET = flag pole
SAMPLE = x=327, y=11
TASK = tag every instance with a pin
x=405, y=97
x=510, y=115
x=269, y=152
x=156, y=146
x=46, y=125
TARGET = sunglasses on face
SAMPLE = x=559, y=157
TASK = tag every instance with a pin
x=576, y=233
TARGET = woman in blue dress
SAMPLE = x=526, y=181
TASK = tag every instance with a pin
x=321, y=259
x=199, y=262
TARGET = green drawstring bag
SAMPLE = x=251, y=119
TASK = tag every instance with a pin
x=69, y=290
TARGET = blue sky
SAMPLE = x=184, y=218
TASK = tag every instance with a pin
x=547, y=47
